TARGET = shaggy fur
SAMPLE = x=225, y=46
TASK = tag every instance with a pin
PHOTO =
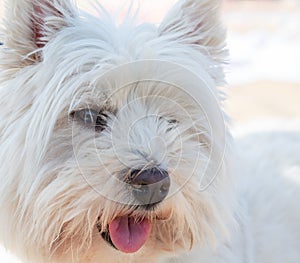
x=155, y=90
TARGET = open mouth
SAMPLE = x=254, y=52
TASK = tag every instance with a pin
x=127, y=234
x=106, y=236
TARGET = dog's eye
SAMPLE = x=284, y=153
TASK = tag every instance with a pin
x=87, y=116
x=173, y=121
x=101, y=121
x=91, y=118
x=172, y=124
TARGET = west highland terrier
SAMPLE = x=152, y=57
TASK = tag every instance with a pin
x=114, y=147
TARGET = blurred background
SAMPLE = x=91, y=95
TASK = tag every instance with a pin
x=264, y=71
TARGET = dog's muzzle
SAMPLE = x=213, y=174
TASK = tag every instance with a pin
x=149, y=187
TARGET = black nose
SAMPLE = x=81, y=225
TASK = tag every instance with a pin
x=151, y=186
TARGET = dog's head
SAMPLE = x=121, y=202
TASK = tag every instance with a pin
x=113, y=142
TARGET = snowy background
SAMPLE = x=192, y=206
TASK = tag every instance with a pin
x=264, y=42
x=264, y=72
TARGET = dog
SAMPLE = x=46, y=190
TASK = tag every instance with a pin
x=114, y=146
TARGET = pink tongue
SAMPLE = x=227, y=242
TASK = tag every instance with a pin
x=128, y=235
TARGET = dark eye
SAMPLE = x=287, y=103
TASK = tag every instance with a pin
x=91, y=118
x=172, y=124
x=101, y=121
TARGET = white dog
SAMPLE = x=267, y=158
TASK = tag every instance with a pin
x=114, y=147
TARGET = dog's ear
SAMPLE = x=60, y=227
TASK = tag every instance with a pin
x=197, y=23
x=30, y=24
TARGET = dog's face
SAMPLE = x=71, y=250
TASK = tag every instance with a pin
x=112, y=139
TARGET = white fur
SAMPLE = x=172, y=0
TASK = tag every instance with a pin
x=60, y=179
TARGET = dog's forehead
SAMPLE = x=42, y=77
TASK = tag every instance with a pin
x=94, y=62
x=104, y=43
x=155, y=83
x=147, y=95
